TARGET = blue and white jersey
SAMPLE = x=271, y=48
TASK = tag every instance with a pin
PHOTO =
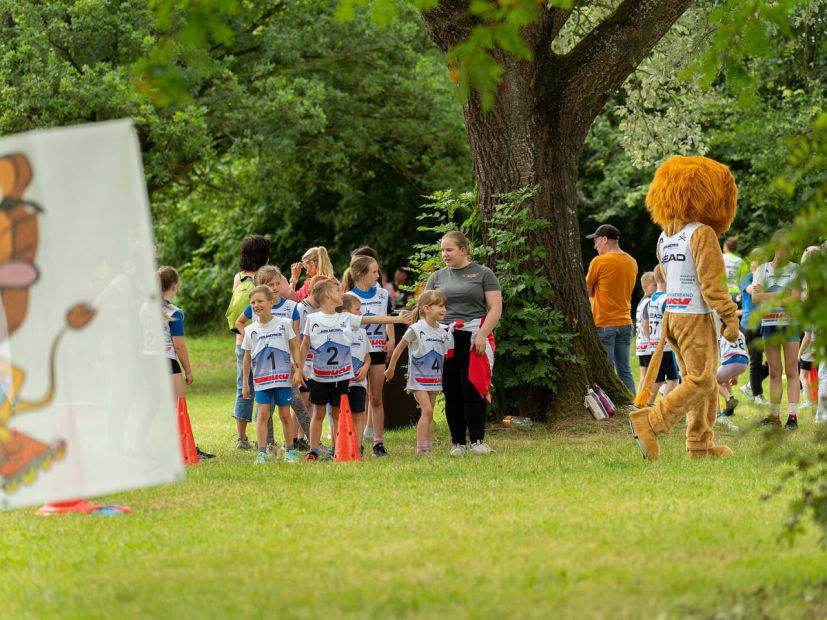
x=304, y=309
x=330, y=338
x=773, y=280
x=641, y=338
x=733, y=352
x=173, y=320
x=285, y=309
x=427, y=347
x=375, y=302
x=269, y=346
x=657, y=306
x=358, y=350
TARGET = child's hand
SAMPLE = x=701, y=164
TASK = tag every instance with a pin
x=299, y=378
x=188, y=378
x=389, y=373
x=363, y=372
x=389, y=347
x=245, y=392
x=405, y=317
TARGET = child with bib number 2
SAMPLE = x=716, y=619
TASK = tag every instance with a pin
x=428, y=343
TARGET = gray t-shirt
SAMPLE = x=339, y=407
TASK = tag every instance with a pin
x=465, y=289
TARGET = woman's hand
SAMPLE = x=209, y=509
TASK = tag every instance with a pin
x=295, y=272
x=479, y=343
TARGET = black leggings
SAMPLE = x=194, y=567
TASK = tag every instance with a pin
x=464, y=407
x=758, y=370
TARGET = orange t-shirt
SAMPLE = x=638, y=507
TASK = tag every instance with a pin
x=612, y=276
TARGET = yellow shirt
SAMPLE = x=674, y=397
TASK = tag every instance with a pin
x=612, y=277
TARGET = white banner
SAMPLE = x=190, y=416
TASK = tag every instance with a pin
x=86, y=404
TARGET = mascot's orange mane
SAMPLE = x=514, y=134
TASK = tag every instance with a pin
x=692, y=189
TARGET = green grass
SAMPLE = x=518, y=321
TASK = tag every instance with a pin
x=551, y=526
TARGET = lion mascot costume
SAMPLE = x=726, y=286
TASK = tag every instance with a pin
x=693, y=200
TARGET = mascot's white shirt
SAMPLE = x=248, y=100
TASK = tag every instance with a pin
x=682, y=287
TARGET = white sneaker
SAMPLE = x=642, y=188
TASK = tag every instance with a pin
x=458, y=449
x=761, y=400
x=747, y=391
x=480, y=447
x=807, y=404
x=725, y=421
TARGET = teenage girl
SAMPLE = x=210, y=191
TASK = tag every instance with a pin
x=427, y=344
x=361, y=281
x=315, y=262
x=643, y=350
x=773, y=282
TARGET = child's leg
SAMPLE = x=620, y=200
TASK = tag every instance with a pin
x=806, y=388
x=655, y=391
x=286, y=426
x=358, y=424
x=261, y=425
x=642, y=377
x=425, y=426
x=319, y=413
x=791, y=371
x=376, y=381
x=334, y=422
x=177, y=386
x=241, y=428
x=773, y=355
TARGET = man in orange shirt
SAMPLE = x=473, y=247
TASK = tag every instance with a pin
x=611, y=278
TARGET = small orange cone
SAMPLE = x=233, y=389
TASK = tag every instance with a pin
x=74, y=505
x=187, y=441
x=347, y=447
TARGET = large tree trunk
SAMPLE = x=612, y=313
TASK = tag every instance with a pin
x=533, y=137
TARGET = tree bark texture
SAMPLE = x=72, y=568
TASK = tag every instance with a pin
x=533, y=137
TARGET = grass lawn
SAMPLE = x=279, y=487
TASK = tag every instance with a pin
x=553, y=525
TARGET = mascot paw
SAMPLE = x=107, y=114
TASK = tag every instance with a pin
x=730, y=330
x=719, y=451
x=644, y=434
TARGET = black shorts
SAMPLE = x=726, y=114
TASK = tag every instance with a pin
x=668, y=370
x=357, y=398
x=644, y=360
x=305, y=390
x=805, y=365
x=377, y=357
x=176, y=367
x=328, y=393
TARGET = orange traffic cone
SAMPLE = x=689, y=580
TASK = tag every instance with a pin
x=814, y=383
x=347, y=447
x=74, y=505
x=187, y=441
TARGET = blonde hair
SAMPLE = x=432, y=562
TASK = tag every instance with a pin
x=267, y=273
x=350, y=302
x=459, y=239
x=319, y=256
x=359, y=266
x=320, y=288
x=660, y=277
x=647, y=278
x=428, y=298
x=264, y=290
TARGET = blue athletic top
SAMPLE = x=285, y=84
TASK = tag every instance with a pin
x=176, y=325
x=746, y=299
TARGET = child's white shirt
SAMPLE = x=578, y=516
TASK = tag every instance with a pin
x=269, y=346
x=374, y=303
x=359, y=349
x=427, y=347
x=657, y=307
x=330, y=338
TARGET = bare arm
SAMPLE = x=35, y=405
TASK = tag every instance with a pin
x=397, y=352
x=298, y=361
x=805, y=342
x=184, y=356
x=240, y=322
x=305, y=347
x=245, y=385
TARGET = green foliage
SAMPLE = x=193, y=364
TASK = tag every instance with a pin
x=531, y=342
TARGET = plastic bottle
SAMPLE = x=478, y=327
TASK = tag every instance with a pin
x=517, y=422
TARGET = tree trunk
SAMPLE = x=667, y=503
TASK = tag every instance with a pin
x=533, y=137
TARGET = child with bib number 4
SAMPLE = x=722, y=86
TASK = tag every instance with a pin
x=429, y=343
x=329, y=335
x=272, y=349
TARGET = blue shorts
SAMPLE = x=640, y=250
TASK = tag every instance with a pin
x=280, y=397
x=770, y=331
x=736, y=359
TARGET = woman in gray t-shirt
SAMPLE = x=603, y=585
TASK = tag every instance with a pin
x=473, y=293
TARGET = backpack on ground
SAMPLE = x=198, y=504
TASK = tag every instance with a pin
x=240, y=300
x=595, y=406
x=608, y=405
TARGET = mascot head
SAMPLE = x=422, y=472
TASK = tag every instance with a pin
x=693, y=189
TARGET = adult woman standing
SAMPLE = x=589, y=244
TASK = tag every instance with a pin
x=315, y=262
x=475, y=298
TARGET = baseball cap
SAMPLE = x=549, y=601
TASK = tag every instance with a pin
x=605, y=230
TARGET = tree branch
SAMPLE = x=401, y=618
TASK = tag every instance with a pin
x=607, y=55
